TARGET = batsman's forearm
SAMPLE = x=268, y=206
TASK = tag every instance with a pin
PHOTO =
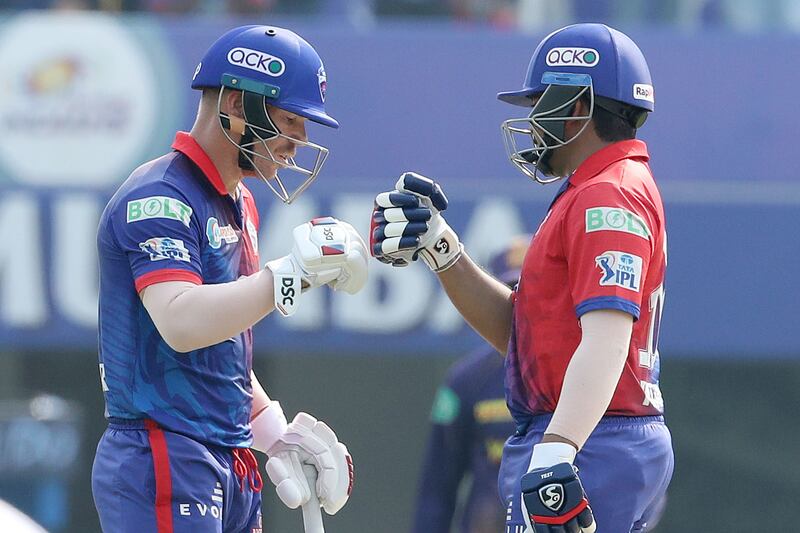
x=190, y=317
x=592, y=375
x=484, y=302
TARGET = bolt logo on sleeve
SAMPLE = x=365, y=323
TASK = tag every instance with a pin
x=616, y=219
x=159, y=207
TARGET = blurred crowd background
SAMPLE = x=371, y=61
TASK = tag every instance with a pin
x=745, y=15
x=89, y=89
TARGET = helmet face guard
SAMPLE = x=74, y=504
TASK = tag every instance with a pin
x=256, y=129
x=529, y=141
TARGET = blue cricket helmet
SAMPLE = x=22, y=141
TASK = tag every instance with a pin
x=269, y=66
x=616, y=65
x=590, y=62
x=272, y=61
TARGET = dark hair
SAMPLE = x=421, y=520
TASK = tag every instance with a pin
x=210, y=93
x=615, y=121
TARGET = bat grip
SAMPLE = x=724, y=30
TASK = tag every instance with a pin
x=312, y=513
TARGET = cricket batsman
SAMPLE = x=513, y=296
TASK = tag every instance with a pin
x=181, y=287
x=591, y=451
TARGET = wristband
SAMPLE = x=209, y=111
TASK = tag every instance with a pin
x=549, y=454
x=268, y=426
x=287, y=285
x=444, y=253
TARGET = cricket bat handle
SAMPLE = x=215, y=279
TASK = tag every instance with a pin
x=312, y=512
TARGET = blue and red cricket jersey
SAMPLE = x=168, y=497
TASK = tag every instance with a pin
x=175, y=456
x=173, y=220
x=602, y=245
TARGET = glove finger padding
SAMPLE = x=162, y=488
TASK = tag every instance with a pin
x=406, y=214
x=395, y=243
x=316, y=444
x=439, y=247
x=401, y=229
x=397, y=235
x=396, y=199
x=427, y=189
x=320, y=245
x=286, y=472
x=355, y=272
x=337, y=494
x=586, y=521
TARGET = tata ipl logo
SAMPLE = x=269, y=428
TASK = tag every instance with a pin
x=620, y=269
x=256, y=60
x=572, y=57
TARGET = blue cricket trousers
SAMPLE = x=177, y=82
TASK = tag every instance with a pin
x=149, y=480
x=625, y=468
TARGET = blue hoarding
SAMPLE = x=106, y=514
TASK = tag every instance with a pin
x=79, y=117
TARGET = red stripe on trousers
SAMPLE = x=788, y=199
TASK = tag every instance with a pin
x=158, y=445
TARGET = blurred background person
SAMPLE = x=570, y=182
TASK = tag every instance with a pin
x=469, y=425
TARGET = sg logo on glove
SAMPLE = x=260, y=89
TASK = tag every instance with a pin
x=552, y=496
x=553, y=501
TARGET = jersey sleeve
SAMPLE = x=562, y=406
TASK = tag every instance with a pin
x=156, y=230
x=608, y=244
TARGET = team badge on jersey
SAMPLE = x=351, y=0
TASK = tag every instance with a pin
x=218, y=234
x=621, y=269
x=161, y=248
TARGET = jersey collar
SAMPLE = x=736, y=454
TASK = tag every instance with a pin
x=598, y=161
x=188, y=146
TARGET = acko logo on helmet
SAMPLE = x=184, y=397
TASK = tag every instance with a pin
x=256, y=60
x=572, y=57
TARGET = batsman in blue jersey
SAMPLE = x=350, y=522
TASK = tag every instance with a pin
x=181, y=286
x=470, y=425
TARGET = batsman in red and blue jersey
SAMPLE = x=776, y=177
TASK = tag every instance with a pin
x=591, y=452
x=181, y=287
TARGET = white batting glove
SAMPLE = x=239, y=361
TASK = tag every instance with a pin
x=268, y=427
x=325, y=251
x=406, y=224
x=354, y=273
x=310, y=441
